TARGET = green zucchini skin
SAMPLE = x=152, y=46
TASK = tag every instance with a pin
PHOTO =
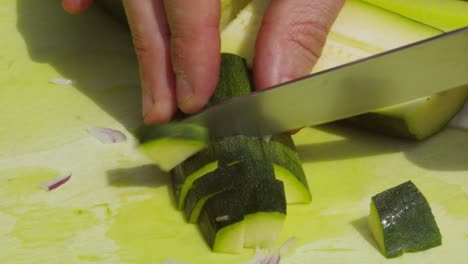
x=170, y=144
x=224, y=151
x=234, y=79
x=222, y=179
x=282, y=153
x=224, y=205
x=260, y=201
x=264, y=213
x=406, y=221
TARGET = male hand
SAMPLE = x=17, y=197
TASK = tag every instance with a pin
x=177, y=43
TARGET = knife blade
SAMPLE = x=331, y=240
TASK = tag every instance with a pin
x=383, y=80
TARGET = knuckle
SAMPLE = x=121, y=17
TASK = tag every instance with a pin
x=142, y=45
x=307, y=37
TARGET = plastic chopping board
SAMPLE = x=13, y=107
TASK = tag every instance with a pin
x=117, y=208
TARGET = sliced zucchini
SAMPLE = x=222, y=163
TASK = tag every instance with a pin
x=170, y=144
x=221, y=222
x=186, y=173
x=417, y=119
x=442, y=14
x=220, y=152
x=222, y=179
x=401, y=220
x=265, y=213
x=288, y=169
x=263, y=209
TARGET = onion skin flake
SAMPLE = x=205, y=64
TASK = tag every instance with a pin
x=55, y=183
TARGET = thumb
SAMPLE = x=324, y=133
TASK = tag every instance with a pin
x=76, y=6
x=291, y=39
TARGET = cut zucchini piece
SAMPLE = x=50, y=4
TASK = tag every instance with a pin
x=265, y=213
x=170, y=144
x=279, y=151
x=401, y=220
x=220, y=152
x=221, y=222
x=288, y=169
x=417, y=119
x=222, y=179
x=191, y=169
x=442, y=14
x=263, y=209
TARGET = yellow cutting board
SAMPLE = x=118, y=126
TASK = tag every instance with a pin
x=117, y=208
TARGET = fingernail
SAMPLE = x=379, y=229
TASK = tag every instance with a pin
x=184, y=91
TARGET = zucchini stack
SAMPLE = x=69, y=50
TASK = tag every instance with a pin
x=235, y=188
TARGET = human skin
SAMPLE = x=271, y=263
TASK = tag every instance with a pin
x=177, y=43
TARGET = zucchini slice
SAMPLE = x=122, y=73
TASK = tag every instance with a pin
x=401, y=220
x=222, y=179
x=288, y=168
x=220, y=152
x=170, y=144
x=417, y=119
x=250, y=215
x=265, y=213
x=221, y=222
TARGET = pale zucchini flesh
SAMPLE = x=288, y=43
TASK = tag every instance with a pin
x=445, y=15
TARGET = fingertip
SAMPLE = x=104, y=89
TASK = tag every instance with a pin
x=195, y=50
x=76, y=6
x=160, y=112
x=194, y=93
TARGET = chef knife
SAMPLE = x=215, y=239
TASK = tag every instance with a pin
x=387, y=79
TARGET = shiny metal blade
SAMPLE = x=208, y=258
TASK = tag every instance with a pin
x=383, y=80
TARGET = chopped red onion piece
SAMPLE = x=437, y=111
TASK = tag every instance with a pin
x=266, y=257
x=107, y=135
x=61, y=81
x=55, y=183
